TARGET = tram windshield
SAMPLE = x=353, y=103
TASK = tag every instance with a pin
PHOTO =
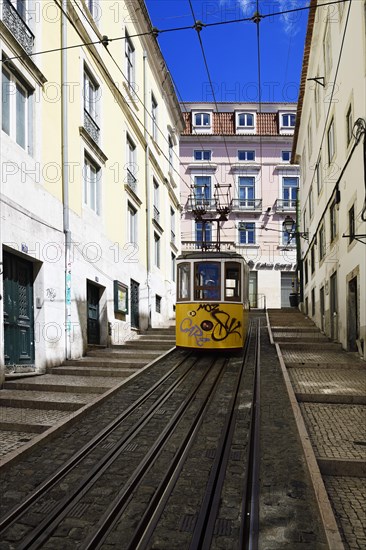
x=232, y=281
x=207, y=281
x=183, y=282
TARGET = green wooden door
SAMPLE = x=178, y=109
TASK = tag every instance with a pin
x=18, y=311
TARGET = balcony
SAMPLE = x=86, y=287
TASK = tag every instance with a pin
x=247, y=205
x=18, y=27
x=202, y=204
x=208, y=245
x=131, y=181
x=285, y=205
x=91, y=127
x=156, y=215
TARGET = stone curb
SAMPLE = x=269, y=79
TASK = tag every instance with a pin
x=329, y=523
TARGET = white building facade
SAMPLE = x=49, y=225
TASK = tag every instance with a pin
x=238, y=157
x=329, y=144
x=90, y=180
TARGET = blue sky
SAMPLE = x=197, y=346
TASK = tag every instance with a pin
x=231, y=49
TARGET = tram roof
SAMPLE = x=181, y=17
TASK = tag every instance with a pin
x=210, y=255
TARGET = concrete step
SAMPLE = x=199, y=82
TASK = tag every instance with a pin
x=288, y=345
x=87, y=361
x=295, y=330
x=65, y=384
x=44, y=400
x=150, y=344
x=95, y=370
x=122, y=352
x=30, y=420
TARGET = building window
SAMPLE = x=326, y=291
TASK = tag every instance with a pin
x=327, y=52
x=286, y=156
x=288, y=120
x=312, y=259
x=351, y=224
x=322, y=243
x=91, y=92
x=93, y=8
x=246, y=155
x=330, y=141
x=349, y=124
x=132, y=223
x=91, y=176
x=313, y=302
x=157, y=303
x=317, y=101
x=310, y=140
x=157, y=249
x=333, y=221
x=246, y=232
x=172, y=225
x=311, y=202
x=289, y=191
x=203, y=233
x=306, y=275
x=319, y=179
x=16, y=109
x=244, y=120
x=202, y=190
x=173, y=266
x=156, y=201
x=129, y=61
x=246, y=191
x=154, y=118
x=171, y=152
x=131, y=166
x=202, y=155
x=305, y=221
x=202, y=119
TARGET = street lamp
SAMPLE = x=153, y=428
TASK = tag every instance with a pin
x=289, y=227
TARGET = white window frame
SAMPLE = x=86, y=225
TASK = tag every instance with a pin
x=199, y=125
x=327, y=53
x=245, y=155
x=129, y=61
x=91, y=93
x=246, y=229
x=286, y=121
x=131, y=164
x=92, y=184
x=319, y=176
x=132, y=225
x=17, y=89
x=242, y=124
x=202, y=153
x=157, y=251
x=282, y=155
x=349, y=124
x=331, y=141
x=94, y=9
x=154, y=118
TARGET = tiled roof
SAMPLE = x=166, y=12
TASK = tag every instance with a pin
x=224, y=124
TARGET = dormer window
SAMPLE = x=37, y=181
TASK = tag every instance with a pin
x=288, y=120
x=245, y=120
x=202, y=119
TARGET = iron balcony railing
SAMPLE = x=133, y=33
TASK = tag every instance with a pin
x=200, y=203
x=131, y=180
x=17, y=26
x=207, y=245
x=285, y=205
x=247, y=204
x=156, y=214
x=91, y=127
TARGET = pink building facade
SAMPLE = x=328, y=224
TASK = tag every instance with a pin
x=235, y=163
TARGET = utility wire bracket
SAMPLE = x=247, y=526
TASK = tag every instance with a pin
x=318, y=80
x=198, y=26
x=257, y=17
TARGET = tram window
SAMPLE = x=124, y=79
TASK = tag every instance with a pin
x=207, y=281
x=184, y=282
x=232, y=281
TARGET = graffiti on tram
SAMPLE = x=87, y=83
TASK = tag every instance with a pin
x=221, y=324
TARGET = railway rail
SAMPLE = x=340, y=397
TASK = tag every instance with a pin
x=179, y=464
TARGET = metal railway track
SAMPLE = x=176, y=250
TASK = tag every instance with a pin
x=191, y=397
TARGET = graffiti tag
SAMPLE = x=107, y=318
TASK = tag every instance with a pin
x=193, y=331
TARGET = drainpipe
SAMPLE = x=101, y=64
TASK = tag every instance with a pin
x=299, y=260
x=65, y=181
x=147, y=192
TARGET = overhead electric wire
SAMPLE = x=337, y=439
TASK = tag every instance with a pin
x=197, y=27
x=156, y=31
x=120, y=93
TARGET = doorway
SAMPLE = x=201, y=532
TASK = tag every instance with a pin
x=322, y=309
x=18, y=311
x=353, y=329
x=93, y=325
x=135, y=297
